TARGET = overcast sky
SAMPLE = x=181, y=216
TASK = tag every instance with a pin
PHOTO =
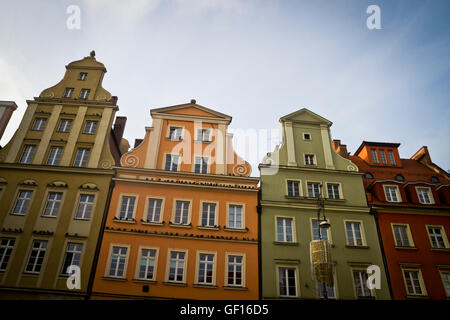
x=255, y=60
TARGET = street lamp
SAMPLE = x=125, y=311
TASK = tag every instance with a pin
x=322, y=224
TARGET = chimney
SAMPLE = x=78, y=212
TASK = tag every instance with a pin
x=341, y=149
x=119, y=128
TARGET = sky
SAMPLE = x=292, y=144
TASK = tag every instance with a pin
x=255, y=60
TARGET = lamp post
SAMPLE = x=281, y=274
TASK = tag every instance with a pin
x=322, y=224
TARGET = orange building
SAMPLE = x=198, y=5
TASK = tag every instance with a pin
x=182, y=221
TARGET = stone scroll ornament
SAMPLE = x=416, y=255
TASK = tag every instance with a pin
x=241, y=170
x=131, y=161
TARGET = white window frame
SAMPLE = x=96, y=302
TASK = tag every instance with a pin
x=243, y=269
x=363, y=283
x=30, y=200
x=397, y=193
x=304, y=136
x=46, y=201
x=181, y=135
x=429, y=194
x=82, y=163
x=340, y=191
x=78, y=203
x=293, y=227
x=242, y=205
x=201, y=135
x=44, y=258
x=300, y=189
x=5, y=248
x=82, y=76
x=84, y=93
x=419, y=278
x=171, y=162
x=408, y=234
x=65, y=125
x=216, y=213
x=51, y=160
x=174, y=212
x=314, y=159
x=297, y=281
x=90, y=127
x=147, y=207
x=138, y=263
x=27, y=154
x=391, y=157
x=374, y=155
x=447, y=273
x=361, y=229
x=133, y=212
x=443, y=235
x=68, y=93
x=39, y=124
x=327, y=230
x=109, y=262
x=314, y=182
x=202, y=164
x=66, y=250
x=185, y=264
x=214, y=267
x=383, y=157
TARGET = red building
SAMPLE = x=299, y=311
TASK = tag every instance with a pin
x=410, y=199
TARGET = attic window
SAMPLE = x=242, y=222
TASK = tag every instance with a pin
x=400, y=178
x=368, y=175
x=82, y=76
x=306, y=136
x=434, y=179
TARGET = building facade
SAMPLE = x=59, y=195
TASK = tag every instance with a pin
x=55, y=176
x=411, y=200
x=183, y=217
x=292, y=177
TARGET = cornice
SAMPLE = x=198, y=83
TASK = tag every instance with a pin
x=266, y=166
x=285, y=204
x=71, y=102
x=57, y=169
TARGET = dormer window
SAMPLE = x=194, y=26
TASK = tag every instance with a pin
x=373, y=152
x=399, y=178
x=392, y=194
x=391, y=157
x=434, y=179
x=383, y=157
x=425, y=195
x=84, y=94
x=368, y=175
x=82, y=76
x=68, y=93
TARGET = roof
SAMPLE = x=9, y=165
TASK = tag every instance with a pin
x=376, y=144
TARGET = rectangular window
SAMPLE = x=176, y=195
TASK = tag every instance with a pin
x=333, y=191
x=68, y=93
x=176, y=266
x=127, y=208
x=383, y=157
x=6, y=248
x=91, y=127
x=203, y=135
x=209, y=214
x=235, y=269
x=22, y=202
x=287, y=282
x=354, y=236
x=306, y=136
x=206, y=268
x=413, y=282
x=27, y=154
x=175, y=133
x=64, y=125
x=81, y=158
x=181, y=212
x=285, y=229
x=72, y=256
x=391, y=194
x=313, y=189
x=54, y=156
x=437, y=237
x=374, y=155
x=235, y=217
x=118, y=261
x=401, y=236
x=84, y=94
x=171, y=162
x=309, y=159
x=360, y=283
x=446, y=282
x=52, y=205
x=391, y=157
x=330, y=291
x=154, y=210
x=82, y=76
x=425, y=196
x=37, y=255
x=315, y=231
x=85, y=206
x=201, y=165
x=39, y=124
x=147, y=264
x=293, y=188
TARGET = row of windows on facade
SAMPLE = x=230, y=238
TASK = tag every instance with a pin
x=181, y=214
x=382, y=157
x=64, y=125
x=176, y=134
x=313, y=189
x=424, y=194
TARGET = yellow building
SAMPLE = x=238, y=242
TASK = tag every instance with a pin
x=55, y=179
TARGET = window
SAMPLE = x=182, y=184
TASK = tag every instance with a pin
x=127, y=208
x=85, y=205
x=208, y=215
x=235, y=266
x=330, y=291
x=206, y=269
x=285, y=229
x=383, y=157
x=39, y=124
x=27, y=154
x=72, y=256
x=37, y=255
x=6, y=247
x=201, y=165
x=315, y=231
x=181, y=212
x=437, y=237
x=118, y=262
x=313, y=189
x=235, y=216
x=81, y=157
x=392, y=193
x=401, y=235
x=434, y=179
x=368, y=175
x=54, y=156
x=360, y=283
x=91, y=127
x=154, y=210
x=287, y=282
x=176, y=266
x=306, y=136
x=373, y=152
x=414, y=282
x=147, y=264
x=399, y=178
x=64, y=125
x=333, y=191
x=391, y=157
x=175, y=133
x=171, y=162
x=22, y=202
x=68, y=93
x=82, y=76
x=425, y=195
x=446, y=281
x=293, y=188
x=52, y=205
x=309, y=159
x=84, y=94
x=354, y=235
x=203, y=135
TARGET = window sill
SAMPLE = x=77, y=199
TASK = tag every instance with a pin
x=124, y=220
x=51, y=217
x=82, y=219
x=178, y=284
x=114, y=278
x=356, y=247
x=294, y=197
x=202, y=141
x=235, y=288
x=441, y=249
x=150, y=223
x=286, y=243
x=417, y=297
x=405, y=248
x=174, y=140
x=205, y=286
x=29, y=273
x=215, y=228
x=335, y=200
x=180, y=225
x=235, y=229
x=17, y=214
x=145, y=281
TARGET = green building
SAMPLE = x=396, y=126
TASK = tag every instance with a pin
x=292, y=177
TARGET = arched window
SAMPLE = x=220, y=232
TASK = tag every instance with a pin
x=368, y=175
x=400, y=178
x=434, y=179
